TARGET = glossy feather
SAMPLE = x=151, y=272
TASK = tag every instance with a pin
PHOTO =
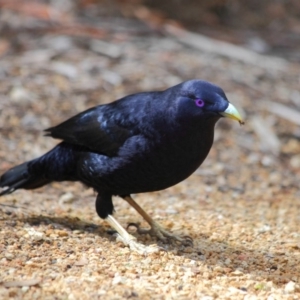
x=140, y=143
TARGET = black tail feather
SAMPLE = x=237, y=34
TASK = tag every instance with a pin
x=59, y=164
x=19, y=178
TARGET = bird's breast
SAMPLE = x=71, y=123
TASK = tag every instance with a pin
x=150, y=163
x=158, y=163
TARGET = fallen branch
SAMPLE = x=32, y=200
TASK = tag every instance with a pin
x=210, y=45
x=283, y=111
x=204, y=43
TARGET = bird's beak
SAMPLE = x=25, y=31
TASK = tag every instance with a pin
x=232, y=113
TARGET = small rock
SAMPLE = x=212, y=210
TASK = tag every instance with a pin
x=267, y=161
x=25, y=289
x=234, y=290
x=117, y=279
x=111, y=77
x=36, y=235
x=62, y=233
x=66, y=198
x=59, y=43
x=258, y=44
x=290, y=287
x=82, y=262
x=264, y=228
x=9, y=256
x=101, y=292
x=104, y=48
x=237, y=273
x=22, y=283
x=64, y=69
x=20, y=94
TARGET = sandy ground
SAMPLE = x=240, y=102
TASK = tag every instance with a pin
x=241, y=207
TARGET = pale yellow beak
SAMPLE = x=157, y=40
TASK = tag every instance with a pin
x=232, y=113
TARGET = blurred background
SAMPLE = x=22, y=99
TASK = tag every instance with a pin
x=59, y=57
x=264, y=26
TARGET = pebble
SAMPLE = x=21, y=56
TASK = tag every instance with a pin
x=290, y=287
x=237, y=273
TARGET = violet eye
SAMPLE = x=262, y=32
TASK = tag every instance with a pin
x=199, y=102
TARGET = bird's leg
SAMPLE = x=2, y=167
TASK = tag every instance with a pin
x=130, y=240
x=104, y=208
x=156, y=229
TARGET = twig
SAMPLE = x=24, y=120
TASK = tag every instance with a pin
x=283, y=111
x=210, y=45
x=207, y=44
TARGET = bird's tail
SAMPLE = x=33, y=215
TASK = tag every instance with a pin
x=20, y=177
x=59, y=164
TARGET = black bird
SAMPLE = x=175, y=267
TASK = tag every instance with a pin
x=141, y=143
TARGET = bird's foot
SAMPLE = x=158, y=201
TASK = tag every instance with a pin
x=135, y=246
x=162, y=234
x=129, y=240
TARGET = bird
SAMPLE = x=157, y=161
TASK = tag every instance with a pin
x=143, y=142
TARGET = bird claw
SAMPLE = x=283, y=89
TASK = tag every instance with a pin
x=135, y=246
x=129, y=240
x=188, y=241
x=162, y=234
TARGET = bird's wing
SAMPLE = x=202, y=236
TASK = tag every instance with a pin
x=100, y=129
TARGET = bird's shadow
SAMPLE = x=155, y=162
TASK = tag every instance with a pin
x=219, y=256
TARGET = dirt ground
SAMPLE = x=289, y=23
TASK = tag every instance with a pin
x=241, y=207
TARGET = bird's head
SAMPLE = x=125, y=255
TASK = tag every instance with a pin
x=197, y=97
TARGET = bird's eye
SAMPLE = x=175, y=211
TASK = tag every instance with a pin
x=199, y=102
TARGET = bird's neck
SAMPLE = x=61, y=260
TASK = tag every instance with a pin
x=192, y=138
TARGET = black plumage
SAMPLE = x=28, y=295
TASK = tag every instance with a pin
x=141, y=143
